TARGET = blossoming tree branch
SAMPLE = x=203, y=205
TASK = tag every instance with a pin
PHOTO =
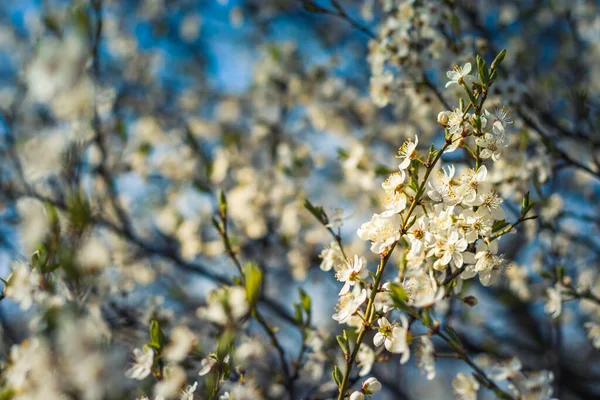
x=299, y=199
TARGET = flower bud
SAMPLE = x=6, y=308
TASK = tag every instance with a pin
x=471, y=301
x=371, y=386
x=443, y=118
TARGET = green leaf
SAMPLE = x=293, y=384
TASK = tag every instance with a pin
x=81, y=19
x=560, y=273
x=382, y=170
x=222, y=203
x=7, y=394
x=453, y=336
x=498, y=225
x=224, y=343
x=298, y=314
x=253, y=281
x=157, y=337
x=79, y=211
x=216, y=224
x=483, y=70
x=426, y=318
x=493, y=77
x=546, y=275
x=498, y=59
x=398, y=294
x=52, y=24
x=275, y=53
x=525, y=202
x=317, y=212
x=342, y=154
x=432, y=153
x=305, y=300
x=526, y=205
x=337, y=376
x=343, y=342
x=39, y=259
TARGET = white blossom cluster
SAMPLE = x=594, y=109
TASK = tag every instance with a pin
x=446, y=229
x=158, y=164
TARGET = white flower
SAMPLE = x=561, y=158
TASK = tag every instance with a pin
x=534, y=385
x=336, y=220
x=407, y=153
x=142, y=367
x=348, y=304
x=518, y=284
x=380, y=87
x=422, y=289
x=383, y=301
x=57, y=66
x=491, y=203
x=381, y=231
x=371, y=386
x=420, y=237
x=331, y=255
x=27, y=359
x=449, y=249
x=593, y=333
x=444, y=189
x=475, y=224
x=465, y=387
x=188, y=392
x=507, y=370
x=457, y=125
x=356, y=395
x=499, y=119
x=181, y=343
x=552, y=207
x=471, y=181
x=489, y=146
x=225, y=304
x=365, y=358
x=24, y=285
x=487, y=264
x=395, y=199
x=172, y=383
x=393, y=337
x=239, y=391
x=554, y=304
x=349, y=273
x=458, y=75
x=426, y=357
x=207, y=364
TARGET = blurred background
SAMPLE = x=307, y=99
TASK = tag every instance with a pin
x=120, y=121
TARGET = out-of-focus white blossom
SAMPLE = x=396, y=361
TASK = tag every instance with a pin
x=426, y=357
x=465, y=387
x=182, y=341
x=225, y=304
x=142, y=366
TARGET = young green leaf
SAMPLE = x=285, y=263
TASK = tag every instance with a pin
x=253, y=280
